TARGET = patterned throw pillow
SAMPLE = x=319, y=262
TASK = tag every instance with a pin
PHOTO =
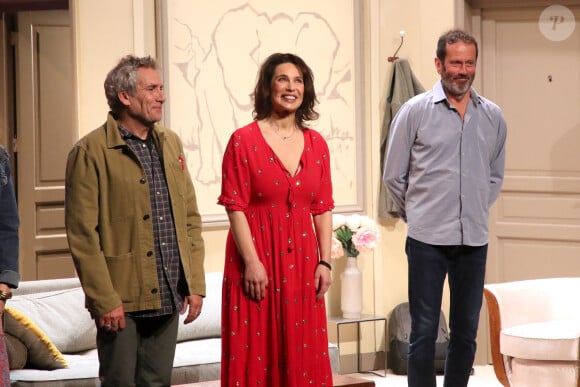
x=17, y=352
x=40, y=351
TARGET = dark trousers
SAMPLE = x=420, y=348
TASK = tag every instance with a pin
x=428, y=266
x=140, y=355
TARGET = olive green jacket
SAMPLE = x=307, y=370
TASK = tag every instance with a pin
x=109, y=225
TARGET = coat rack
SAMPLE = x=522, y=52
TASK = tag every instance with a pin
x=395, y=57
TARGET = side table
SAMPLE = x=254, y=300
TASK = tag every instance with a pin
x=338, y=321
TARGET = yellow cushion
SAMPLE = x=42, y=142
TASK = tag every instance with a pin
x=41, y=352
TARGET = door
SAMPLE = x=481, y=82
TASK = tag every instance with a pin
x=535, y=79
x=45, y=134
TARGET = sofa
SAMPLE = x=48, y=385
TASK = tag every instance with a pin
x=535, y=332
x=51, y=337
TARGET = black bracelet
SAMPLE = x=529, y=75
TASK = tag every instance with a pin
x=325, y=264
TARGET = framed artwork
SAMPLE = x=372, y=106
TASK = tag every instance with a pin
x=211, y=52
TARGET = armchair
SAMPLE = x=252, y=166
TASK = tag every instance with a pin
x=535, y=332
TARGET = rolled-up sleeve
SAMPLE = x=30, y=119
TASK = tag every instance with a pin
x=236, y=191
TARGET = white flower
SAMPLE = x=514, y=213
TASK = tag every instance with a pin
x=353, y=221
x=336, y=251
x=367, y=222
x=338, y=220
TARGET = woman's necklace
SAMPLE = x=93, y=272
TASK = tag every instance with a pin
x=277, y=131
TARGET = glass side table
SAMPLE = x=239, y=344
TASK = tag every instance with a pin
x=364, y=319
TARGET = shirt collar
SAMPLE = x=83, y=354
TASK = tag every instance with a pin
x=125, y=134
x=439, y=94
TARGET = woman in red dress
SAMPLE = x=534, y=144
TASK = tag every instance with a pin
x=277, y=191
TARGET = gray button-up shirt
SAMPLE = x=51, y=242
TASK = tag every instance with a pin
x=444, y=173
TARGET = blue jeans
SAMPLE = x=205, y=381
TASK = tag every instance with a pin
x=428, y=266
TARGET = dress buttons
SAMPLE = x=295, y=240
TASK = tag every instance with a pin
x=154, y=291
x=149, y=253
x=142, y=181
x=146, y=216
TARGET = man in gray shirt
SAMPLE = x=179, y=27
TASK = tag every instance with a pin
x=444, y=169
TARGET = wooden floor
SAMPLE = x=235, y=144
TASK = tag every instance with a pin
x=482, y=377
x=338, y=381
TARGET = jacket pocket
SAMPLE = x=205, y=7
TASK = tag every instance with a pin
x=123, y=276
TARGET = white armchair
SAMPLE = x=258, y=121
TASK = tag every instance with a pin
x=535, y=332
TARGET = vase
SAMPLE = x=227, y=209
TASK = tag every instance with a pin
x=351, y=290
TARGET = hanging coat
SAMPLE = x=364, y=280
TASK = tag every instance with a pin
x=404, y=85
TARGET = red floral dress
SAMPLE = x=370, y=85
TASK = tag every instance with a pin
x=281, y=340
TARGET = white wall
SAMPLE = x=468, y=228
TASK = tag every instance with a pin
x=104, y=31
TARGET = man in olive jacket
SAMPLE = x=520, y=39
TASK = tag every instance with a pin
x=134, y=230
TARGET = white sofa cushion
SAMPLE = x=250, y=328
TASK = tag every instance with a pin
x=209, y=322
x=62, y=316
x=557, y=340
x=83, y=365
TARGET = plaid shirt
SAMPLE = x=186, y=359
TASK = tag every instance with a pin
x=169, y=272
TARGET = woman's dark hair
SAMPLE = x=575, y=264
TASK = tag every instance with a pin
x=451, y=37
x=263, y=90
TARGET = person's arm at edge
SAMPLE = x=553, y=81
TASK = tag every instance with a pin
x=9, y=224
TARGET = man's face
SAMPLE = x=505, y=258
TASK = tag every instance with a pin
x=146, y=105
x=458, y=70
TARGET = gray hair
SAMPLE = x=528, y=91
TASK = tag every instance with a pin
x=123, y=77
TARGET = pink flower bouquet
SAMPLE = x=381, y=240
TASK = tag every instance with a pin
x=352, y=234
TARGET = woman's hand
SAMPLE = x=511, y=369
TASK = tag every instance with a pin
x=322, y=280
x=255, y=280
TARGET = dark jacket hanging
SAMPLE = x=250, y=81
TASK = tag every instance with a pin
x=404, y=85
